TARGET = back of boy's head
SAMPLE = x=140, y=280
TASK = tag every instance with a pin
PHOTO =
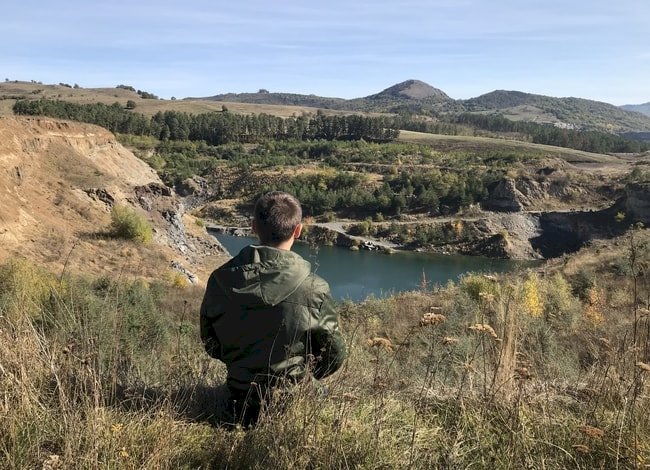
x=276, y=216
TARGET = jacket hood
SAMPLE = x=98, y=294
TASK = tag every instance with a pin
x=262, y=275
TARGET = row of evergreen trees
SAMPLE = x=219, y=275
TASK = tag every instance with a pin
x=215, y=128
x=218, y=128
x=588, y=141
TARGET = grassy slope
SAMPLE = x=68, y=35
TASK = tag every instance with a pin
x=117, y=377
x=489, y=144
x=148, y=107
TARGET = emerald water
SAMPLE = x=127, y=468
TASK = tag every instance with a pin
x=355, y=275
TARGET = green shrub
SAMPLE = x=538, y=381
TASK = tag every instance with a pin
x=560, y=304
x=126, y=223
x=476, y=284
x=25, y=288
x=582, y=282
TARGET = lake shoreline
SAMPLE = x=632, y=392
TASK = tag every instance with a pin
x=335, y=234
x=316, y=234
x=356, y=274
x=496, y=236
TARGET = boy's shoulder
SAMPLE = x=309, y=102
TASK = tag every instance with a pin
x=312, y=292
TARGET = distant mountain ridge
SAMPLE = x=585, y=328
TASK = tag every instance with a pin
x=391, y=99
x=577, y=113
x=411, y=90
x=286, y=99
x=638, y=108
x=415, y=96
x=411, y=97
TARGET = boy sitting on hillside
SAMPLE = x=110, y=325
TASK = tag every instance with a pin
x=266, y=316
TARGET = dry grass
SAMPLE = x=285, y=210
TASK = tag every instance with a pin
x=448, y=143
x=102, y=374
x=148, y=107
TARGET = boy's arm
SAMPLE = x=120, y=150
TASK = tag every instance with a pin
x=328, y=345
x=210, y=341
x=209, y=313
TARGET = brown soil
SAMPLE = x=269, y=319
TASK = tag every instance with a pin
x=47, y=215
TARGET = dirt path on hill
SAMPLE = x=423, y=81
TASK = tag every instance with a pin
x=339, y=228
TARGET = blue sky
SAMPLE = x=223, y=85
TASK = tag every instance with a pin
x=591, y=49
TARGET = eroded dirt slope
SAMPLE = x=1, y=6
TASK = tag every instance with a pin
x=58, y=182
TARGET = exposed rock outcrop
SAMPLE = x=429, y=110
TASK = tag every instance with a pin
x=234, y=231
x=637, y=202
x=495, y=246
x=194, y=186
x=509, y=195
x=58, y=182
x=102, y=195
x=566, y=232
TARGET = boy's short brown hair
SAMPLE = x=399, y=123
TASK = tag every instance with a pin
x=276, y=216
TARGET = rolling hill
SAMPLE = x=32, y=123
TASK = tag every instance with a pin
x=411, y=97
x=14, y=90
x=572, y=113
x=411, y=90
x=639, y=108
x=417, y=97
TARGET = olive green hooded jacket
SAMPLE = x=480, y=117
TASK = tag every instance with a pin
x=267, y=317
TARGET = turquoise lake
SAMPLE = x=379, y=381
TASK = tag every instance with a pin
x=355, y=275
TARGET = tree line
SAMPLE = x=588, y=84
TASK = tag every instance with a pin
x=435, y=192
x=215, y=128
x=548, y=134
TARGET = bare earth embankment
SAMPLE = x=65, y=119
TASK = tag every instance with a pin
x=58, y=183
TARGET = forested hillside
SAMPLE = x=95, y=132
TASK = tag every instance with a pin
x=577, y=113
x=216, y=127
x=224, y=127
x=411, y=98
x=639, y=108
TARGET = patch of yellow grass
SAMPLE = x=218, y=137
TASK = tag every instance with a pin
x=486, y=144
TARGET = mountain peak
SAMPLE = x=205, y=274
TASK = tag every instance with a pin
x=412, y=89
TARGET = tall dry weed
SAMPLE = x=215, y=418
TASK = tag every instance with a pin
x=99, y=373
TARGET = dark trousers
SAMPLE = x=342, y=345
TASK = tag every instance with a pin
x=245, y=407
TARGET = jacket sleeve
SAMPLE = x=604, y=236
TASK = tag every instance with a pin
x=327, y=343
x=210, y=311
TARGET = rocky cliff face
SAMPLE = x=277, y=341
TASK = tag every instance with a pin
x=58, y=183
x=509, y=195
x=553, y=189
x=504, y=197
x=566, y=232
x=637, y=202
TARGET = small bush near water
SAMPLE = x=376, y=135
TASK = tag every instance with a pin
x=128, y=224
x=486, y=373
